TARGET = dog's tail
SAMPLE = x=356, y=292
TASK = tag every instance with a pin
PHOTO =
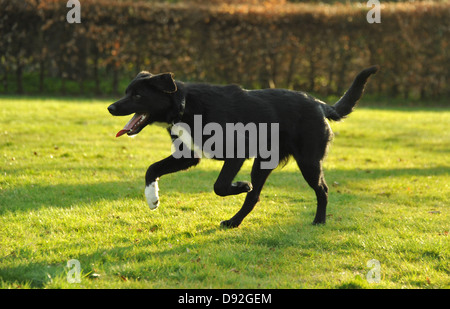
x=345, y=105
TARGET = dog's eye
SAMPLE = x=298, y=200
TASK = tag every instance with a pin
x=136, y=96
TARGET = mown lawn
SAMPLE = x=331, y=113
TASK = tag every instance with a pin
x=70, y=190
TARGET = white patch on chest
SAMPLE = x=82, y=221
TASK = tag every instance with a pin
x=151, y=193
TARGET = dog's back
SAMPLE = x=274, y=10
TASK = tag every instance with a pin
x=233, y=104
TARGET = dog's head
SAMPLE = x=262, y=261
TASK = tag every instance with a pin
x=149, y=98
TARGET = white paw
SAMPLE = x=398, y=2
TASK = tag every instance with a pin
x=151, y=193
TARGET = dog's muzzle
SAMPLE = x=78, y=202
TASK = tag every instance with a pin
x=112, y=109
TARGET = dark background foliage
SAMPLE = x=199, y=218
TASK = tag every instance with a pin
x=308, y=46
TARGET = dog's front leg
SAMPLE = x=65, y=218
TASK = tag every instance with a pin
x=160, y=168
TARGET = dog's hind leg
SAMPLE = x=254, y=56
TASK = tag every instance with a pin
x=160, y=168
x=313, y=174
x=223, y=185
x=258, y=176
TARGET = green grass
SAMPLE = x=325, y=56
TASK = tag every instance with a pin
x=70, y=190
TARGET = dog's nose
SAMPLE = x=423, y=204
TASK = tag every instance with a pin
x=112, y=108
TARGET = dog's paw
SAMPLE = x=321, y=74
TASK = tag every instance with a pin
x=151, y=193
x=318, y=222
x=229, y=224
x=245, y=186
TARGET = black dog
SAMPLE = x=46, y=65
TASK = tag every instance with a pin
x=303, y=131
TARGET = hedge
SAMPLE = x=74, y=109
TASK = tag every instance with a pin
x=312, y=47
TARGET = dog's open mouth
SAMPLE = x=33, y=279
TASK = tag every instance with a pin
x=134, y=125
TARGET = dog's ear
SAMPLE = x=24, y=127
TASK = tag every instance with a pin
x=163, y=82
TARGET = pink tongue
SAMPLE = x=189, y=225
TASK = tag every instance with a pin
x=122, y=132
x=129, y=125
